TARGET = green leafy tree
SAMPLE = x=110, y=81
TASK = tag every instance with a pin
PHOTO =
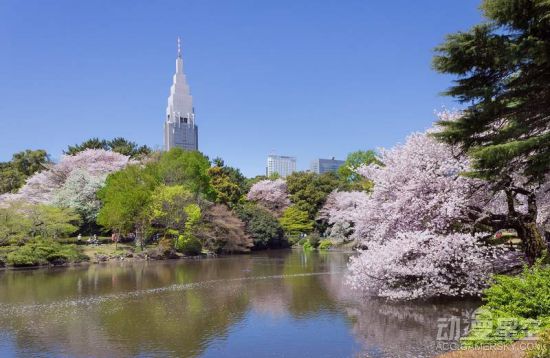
x=10, y=178
x=187, y=168
x=296, y=221
x=309, y=191
x=228, y=184
x=347, y=172
x=167, y=207
x=503, y=70
x=187, y=242
x=15, y=227
x=23, y=164
x=125, y=198
x=262, y=226
x=50, y=221
x=29, y=162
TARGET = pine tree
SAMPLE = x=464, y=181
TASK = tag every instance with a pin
x=503, y=70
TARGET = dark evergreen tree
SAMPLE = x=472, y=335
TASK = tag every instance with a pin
x=22, y=165
x=503, y=70
x=119, y=145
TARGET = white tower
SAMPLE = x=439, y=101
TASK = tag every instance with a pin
x=179, y=127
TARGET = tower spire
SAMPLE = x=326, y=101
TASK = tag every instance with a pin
x=179, y=47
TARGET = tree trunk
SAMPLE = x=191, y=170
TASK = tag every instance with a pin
x=526, y=224
x=533, y=241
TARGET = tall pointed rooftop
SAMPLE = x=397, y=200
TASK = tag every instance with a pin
x=180, y=101
x=179, y=127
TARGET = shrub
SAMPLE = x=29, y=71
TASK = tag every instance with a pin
x=325, y=244
x=262, y=226
x=302, y=241
x=58, y=258
x=522, y=301
x=293, y=240
x=41, y=252
x=314, y=240
x=190, y=246
x=307, y=246
x=24, y=257
x=166, y=245
x=542, y=347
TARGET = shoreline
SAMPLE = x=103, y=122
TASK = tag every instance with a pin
x=98, y=259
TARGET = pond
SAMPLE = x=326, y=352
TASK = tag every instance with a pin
x=269, y=304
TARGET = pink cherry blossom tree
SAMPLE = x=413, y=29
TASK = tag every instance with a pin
x=423, y=222
x=272, y=194
x=342, y=211
x=419, y=188
x=422, y=264
x=43, y=186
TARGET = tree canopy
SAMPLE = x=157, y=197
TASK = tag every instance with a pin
x=119, y=145
x=296, y=221
x=503, y=70
x=228, y=183
x=348, y=172
x=309, y=191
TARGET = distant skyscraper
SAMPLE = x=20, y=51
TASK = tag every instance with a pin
x=321, y=166
x=179, y=126
x=282, y=165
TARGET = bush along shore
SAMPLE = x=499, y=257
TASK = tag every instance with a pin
x=47, y=253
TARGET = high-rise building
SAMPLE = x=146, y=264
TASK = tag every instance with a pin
x=282, y=165
x=179, y=125
x=321, y=166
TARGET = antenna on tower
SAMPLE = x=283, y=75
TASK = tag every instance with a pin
x=179, y=47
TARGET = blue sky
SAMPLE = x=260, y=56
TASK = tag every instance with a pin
x=309, y=78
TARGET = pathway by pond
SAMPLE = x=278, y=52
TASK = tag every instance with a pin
x=270, y=304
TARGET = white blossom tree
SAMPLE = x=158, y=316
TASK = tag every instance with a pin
x=79, y=192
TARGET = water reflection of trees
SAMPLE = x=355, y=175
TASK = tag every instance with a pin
x=174, y=308
x=406, y=329
x=179, y=308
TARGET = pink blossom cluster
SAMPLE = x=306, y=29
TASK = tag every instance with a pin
x=42, y=186
x=421, y=265
x=419, y=188
x=411, y=223
x=272, y=194
x=343, y=210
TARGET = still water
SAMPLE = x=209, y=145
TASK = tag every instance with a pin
x=270, y=304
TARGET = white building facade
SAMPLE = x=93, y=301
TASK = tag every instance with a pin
x=180, y=129
x=281, y=165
